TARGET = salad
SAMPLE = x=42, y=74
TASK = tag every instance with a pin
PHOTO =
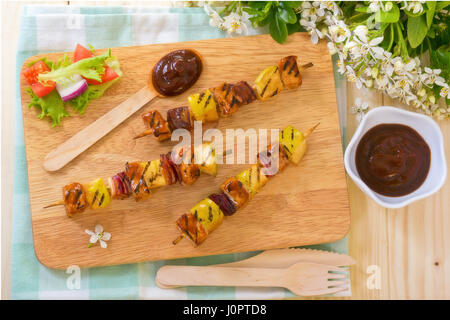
x=74, y=82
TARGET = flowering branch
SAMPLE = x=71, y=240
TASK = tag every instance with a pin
x=378, y=42
x=366, y=63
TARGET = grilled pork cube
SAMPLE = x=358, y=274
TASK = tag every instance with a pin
x=189, y=172
x=236, y=191
x=74, y=198
x=190, y=226
x=135, y=172
x=120, y=186
x=205, y=157
x=180, y=118
x=253, y=179
x=227, y=102
x=97, y=195
x=243, y=92
x=157, y=125
x=208, y=213
x=183, y=153
x=203, y=106
x=268, y=83
x=154, y=177
x=221, y=199
x=271, y=161
x=294, y=143
x=290, y=75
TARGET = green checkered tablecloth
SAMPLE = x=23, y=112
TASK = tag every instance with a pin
x=59, y=28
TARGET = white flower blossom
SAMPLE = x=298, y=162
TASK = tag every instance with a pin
x=414, y=6
x=233, y=24
x=330, y=6
x=98, y=235
x=360, y=109
x=313, y=9
x=215, y=19
x=431, y=76
x=339, y=32
x=310, y=26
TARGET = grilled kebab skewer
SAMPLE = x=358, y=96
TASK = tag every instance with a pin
x=139, y=178
x=224, y=100
x=236, y=191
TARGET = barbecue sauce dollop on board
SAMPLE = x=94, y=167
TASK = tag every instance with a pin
x=176, y=72
x=392, y=159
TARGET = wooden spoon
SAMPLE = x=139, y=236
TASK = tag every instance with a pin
x=85, y=138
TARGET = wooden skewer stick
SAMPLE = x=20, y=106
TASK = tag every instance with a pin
x=180, y=237
x=57, y=203
x=144, y=133
x=305, y=66
x=310, y=130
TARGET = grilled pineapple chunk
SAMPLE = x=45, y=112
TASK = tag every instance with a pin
x=205, y=157
x=268, y=83
x=253, y=179
x=97, y=194
x=208, y=214
x=203, y=106
x=153, y=176
x=294, y=143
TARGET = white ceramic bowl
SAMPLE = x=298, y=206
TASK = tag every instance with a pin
x=430, y=132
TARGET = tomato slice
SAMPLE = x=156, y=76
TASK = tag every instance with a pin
x=109, y=75
x=42, y=90
x=83, y=53
x=32, y=74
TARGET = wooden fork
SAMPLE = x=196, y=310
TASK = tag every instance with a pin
x=303, y=279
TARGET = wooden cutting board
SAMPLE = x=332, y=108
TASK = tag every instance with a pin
x=305, y=204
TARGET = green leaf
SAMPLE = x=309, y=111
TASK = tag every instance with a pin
x=417, y=30
x=430, y=12
x=252, y=12
x=90, y=68
x=46, y=61
x=50, y=105
x=293, y=28
x=256, y=4
x=292, y=4
x=268, y=6
x=441, y=5
x=277, y=28
x=80, y=103
x=362, y=9
x=287, y=15
x=391, y=16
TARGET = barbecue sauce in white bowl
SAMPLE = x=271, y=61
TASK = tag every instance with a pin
x=392, y=159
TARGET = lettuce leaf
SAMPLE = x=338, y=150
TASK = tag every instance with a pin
x=50, y=105
x=90, y=68
x=80, y=103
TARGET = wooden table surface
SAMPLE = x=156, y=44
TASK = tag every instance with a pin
x=400, y=254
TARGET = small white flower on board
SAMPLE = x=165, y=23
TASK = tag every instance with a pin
x=360, y=109
x=98, y=235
